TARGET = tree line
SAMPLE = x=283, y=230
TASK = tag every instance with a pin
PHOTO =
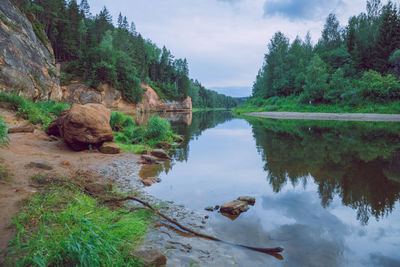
x=352, y=65
x=93, y=50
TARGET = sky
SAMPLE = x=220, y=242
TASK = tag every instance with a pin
x=225, y=41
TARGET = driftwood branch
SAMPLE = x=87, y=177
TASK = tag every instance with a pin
x=271, y=251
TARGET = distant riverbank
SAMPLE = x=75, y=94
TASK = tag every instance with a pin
x=326, y=116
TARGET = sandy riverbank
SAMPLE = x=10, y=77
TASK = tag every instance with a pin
x=326, y=116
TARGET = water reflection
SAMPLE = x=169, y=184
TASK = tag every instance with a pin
x=360, y=162
x=328, y=192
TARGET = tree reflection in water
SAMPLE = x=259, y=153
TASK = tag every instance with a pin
x=357, y=161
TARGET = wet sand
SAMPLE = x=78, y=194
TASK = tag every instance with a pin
x=326, y=116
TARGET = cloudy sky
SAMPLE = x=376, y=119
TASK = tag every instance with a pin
x=225, y=40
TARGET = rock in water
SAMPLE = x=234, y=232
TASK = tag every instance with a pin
x=250, y=200
x=150, y=180
x=159, y=153
x=147, y=159
x=151, y=258
x=234, y=207
x=109, y=148
x=83, y=125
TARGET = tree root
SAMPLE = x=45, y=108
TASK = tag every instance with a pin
x=271, y=251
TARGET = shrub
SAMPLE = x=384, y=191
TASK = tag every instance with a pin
x=3, y=132
x=119, y=121
x=39, y=112
x=158, y=128
x=374, y=86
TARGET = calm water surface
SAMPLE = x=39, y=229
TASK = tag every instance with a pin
x=328, y=192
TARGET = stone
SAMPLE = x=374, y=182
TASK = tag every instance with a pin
x=250, y=200
x=234, y=207
x=150, y=181
x=160, y=153
x=147, y=159
x=216, y=207
x=28, y=128
x=96, y=188
x=40, y=165
x=109, y=148
x=82, y=126
x=209, y=208
x=164, y=145
x=151, y=258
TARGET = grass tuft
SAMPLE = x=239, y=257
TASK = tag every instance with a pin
x=61, y=226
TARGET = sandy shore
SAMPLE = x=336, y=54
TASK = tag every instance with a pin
x=326, y=116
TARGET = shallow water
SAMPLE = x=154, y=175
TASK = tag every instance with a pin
x=328, y=192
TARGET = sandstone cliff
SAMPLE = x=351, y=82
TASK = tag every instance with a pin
x=111, y=98
x=26, y=64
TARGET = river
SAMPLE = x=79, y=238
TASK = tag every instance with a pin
x=327, y=192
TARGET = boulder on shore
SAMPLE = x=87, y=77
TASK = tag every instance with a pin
x=160, y=153
x=83, y=125
x=27, y=128
x=109, y=148
x=151, y=257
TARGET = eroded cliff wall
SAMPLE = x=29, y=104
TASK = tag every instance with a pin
x=27, y=64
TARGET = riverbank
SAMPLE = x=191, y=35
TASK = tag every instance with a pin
x=291, y=104
x=39, y=167
x=326, y=116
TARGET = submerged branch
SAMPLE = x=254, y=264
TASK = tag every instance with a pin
x=271, y=251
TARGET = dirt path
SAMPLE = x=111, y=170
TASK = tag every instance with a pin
x=326, y=116
x=24, y=148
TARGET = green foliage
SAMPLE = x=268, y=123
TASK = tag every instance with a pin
x=36, y=112
x=374, y=87
x=349, y=66
x=158, y=129
x=128, y=136
x=120, y=121
x=61, y=226
x=3, y=132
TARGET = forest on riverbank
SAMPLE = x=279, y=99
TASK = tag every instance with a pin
x=94, y=51
x=352, y=68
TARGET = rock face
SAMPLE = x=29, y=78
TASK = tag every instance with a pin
x=111, y=98
x=105, y=95
x=26, y=63
x=151, y=102
x=83, y=125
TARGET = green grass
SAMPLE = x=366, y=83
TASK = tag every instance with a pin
x=40, y=112
x=136, y=138
x=133, y=148
x=3, y=132
x=291, y=104
x=61, y=226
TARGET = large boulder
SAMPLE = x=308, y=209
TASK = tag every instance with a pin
x=83, y=125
